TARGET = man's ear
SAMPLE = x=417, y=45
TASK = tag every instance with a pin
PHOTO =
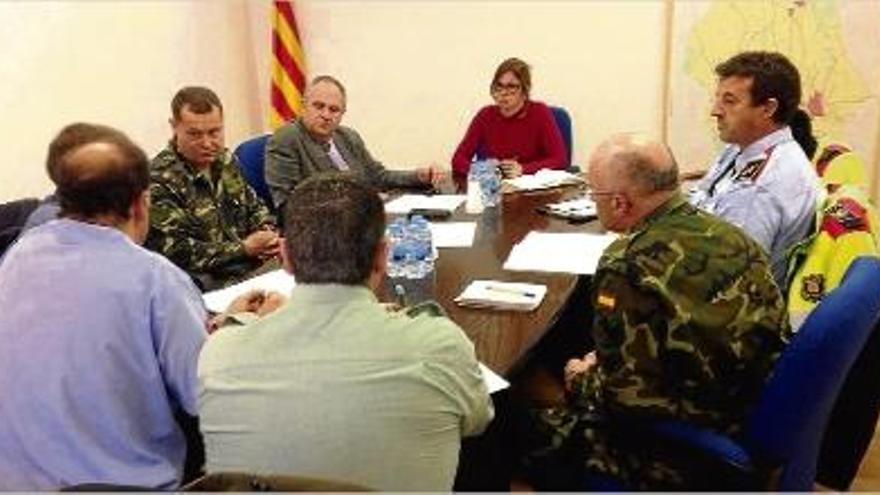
x=771, y=106
x=286, y=262
x=380, y=261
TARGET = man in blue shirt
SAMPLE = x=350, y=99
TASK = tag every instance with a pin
x=761, y=181
x=99, y=337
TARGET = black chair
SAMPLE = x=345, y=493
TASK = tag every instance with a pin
x=13, y=216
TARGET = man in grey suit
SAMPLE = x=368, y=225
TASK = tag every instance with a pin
x=316, y=142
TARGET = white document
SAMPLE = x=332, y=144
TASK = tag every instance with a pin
x=493, y=380
x=580, y=207
x=502, y=295
x=278, y=281
x=404, y=204
x=564, y=252
x=453, y=234
x=543, y=179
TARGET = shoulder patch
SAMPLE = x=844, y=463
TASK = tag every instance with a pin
x=813, y=287
x=844, y=215
x=606, y=301
x=752, y=170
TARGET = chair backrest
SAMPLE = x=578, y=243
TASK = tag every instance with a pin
x=787, y=425
x=563, y=122
x=13, y=216
x=251, y=156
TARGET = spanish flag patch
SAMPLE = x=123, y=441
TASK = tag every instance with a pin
x=606, y=301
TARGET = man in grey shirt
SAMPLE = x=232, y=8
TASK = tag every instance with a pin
x=316, y=142
x=332, y=385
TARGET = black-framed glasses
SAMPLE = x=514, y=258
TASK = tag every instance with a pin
x=506, y=87
x=592, y=193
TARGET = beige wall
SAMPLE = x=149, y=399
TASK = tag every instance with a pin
x=416, y=71
x=117, y=63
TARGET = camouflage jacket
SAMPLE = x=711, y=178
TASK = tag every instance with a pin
x=688, y=321
x=199, y=225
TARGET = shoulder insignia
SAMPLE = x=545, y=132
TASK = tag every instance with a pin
x=844, y=215
x=752, y=170
x=813, y=287
x=606, y=301
x=829, y=153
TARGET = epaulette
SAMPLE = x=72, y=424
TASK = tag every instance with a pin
x=844, y=215
x=813, y=287
x=752, y=170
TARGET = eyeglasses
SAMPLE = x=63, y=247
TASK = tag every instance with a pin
x=592, y=193
x=506, y=87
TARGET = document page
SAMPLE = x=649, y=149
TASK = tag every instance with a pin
x=453, y=234
x=404, y=204
x=559, y=252
x=278, y=280
x=493, y=380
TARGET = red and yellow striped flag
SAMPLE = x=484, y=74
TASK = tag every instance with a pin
x=288, y=66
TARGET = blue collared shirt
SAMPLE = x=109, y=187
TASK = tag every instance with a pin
x=769, y=189
x=99, y=340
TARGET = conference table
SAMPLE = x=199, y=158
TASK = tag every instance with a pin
x=501, y=338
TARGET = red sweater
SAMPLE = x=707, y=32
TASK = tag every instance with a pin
x=529, y=137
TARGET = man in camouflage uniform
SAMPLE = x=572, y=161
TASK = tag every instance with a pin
x=688, y=324
x=204, y=216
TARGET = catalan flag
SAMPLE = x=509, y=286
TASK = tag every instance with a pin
x=288, y=66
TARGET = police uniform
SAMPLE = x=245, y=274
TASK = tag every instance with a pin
x=198, y=219
x=846, y=229
x=688, y=324
x=769, y=189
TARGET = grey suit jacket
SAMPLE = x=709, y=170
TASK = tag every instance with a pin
x=292, y=156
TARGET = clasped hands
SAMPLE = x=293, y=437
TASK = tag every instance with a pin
x=575, y=368
x=263, y=244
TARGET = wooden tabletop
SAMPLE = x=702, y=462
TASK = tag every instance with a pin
x=501, y=338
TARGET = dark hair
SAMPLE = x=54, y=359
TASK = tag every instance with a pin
x=333, y=224
x=72, y=136
x=197, y=99
x=331, y=80
x=802, y=131
x=773, y=76
x=520, y=69
x=101, y=181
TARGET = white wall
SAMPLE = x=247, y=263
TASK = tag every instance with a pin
x=117, y=63
x=416, y=71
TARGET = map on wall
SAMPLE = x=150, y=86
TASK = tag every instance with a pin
x=835, y=45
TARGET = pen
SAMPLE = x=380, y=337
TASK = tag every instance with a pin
x=400, y=293
x=508, y=290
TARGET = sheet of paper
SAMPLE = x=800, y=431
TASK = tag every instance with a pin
x=403, y=204
x=278, y=281
x=574, y=207
x=453, y=234
x=494, y=294
x=558, y=252
x=543, y=179
x=493, y=380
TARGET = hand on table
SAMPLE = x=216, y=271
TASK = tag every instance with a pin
x=432, y=174
x=262, y=244
x=510, y=169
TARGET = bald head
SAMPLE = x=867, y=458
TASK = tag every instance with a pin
x=631, y=175
x=102, y=176
x=324, y=103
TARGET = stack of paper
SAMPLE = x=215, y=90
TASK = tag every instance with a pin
x=502, y=295
x=278, y=281
x=453, y=234
x=553, y=252
x=408, y=202
x=543, y=179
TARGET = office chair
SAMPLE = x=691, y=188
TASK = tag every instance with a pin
x=251, y=156
x=563, y=122
x=780, y=445
x=13, y=216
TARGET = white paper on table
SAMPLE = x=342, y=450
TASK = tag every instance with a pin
x=558, y=252
x=404, y=204
x=493, y=380
x=543, y=179
x=453, y=234
x=277, y=280
x=495, y=294
x=582, y=207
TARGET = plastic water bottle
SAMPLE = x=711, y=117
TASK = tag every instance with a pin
x=423, y=246
x=396, y=247
x=474, y=202
x=490, y=183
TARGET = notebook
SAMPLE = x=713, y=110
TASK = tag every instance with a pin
x=493, y=294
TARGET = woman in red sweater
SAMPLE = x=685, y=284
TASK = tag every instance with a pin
x=517, y=131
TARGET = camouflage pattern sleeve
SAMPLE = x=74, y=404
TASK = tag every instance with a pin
x=181, y=236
